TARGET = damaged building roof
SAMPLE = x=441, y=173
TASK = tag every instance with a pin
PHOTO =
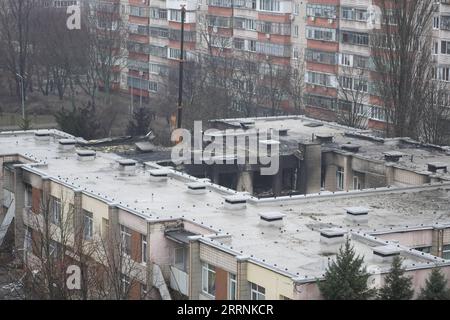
x=405, y=152
x=291, y=244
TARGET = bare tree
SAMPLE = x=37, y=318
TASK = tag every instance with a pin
x=57, y=236
x=247, y=80
x=352, y=94
x=436, y=115
x=296, y=84
x=104, y=49
x=16, y=24
x=274, y=87
x=402, y=58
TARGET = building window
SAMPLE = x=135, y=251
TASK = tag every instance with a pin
x=105, y=227
x=446, y=252
x=153, y=86
x=356, y=183
x=125, y=236
x=340, y=178
x=180, y=258
x=257, y=292
x=209, y=279
x=144, y=248
x=55, y=211
x=269, y=5
x=232, y=287
x=88, y=225
x=424, y=249
x=28, y=195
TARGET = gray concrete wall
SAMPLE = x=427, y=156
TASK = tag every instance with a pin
x=310, y=168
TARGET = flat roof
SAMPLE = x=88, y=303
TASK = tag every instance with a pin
x=293, y=248
x=414, y=156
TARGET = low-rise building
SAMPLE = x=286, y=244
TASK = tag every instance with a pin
x=206, y=241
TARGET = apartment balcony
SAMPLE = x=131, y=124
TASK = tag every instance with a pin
x=179, y=280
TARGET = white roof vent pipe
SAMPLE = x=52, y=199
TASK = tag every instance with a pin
x=127, y=166
x=358, y=215
x=66, y=144
x=272, y=219
x=386, y=253
x=42, y=135
x=236, y=202
x=86, y=155
x=331, y=239
x=159, y=175
x=197, y=188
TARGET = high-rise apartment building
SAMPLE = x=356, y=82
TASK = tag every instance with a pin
x=326, y=40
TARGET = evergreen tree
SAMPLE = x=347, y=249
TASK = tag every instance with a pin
x=346, y=278
x=435, y=287
x=397, y=286
x=140, y=123
x=80, y=122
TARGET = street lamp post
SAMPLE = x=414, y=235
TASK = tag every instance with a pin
x=141, y=75
x=22, y=94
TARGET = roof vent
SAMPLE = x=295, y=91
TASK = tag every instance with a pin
x=42, y=135
x=436, y=166
x=358, y=215
x=324, y=138
x=197, y=187
x=386, y=253
x=66, y=144
x=127, y=166
x=236, y=202
x=332, y=236
x=159, y=175
x=393, y=156
x=351, y=148
x=272, y=218
x=86, y=155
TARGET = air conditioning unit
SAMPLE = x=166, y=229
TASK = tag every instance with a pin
x=330, y=21
x=292, y=17
x=268, y=35
x=312, y=18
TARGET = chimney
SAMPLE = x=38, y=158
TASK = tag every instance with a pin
x=66, y=144
x=237, y=201
x=159, y=175
x=197, y=187
x=359, y=215
x=271, y=219
x=86, y=155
